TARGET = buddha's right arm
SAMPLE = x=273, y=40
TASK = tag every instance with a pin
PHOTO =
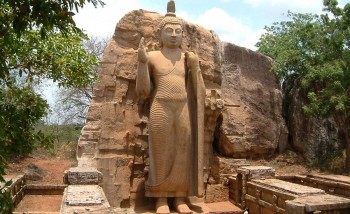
x=143, y=82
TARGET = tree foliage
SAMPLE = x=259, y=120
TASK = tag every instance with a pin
x=6, y=204
x=38, y=40
x=20, y=109
x=73, y=103
x=315, y=50
x=59, y=57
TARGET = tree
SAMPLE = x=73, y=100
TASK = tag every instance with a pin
x=315, y=49
x=38, y=40
x=73, y=103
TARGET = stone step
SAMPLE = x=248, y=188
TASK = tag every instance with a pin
x=84, y=199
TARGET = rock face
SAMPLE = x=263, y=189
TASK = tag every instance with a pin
x=318, y=139
x=252, y=124
x=243, y=107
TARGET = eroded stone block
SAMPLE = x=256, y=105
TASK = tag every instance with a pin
x=84, y=199
x=255, y=172
x=312, y=203
x=82, y=175
x=288, y=187
x=78, y=195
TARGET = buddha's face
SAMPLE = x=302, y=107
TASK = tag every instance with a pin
x=171, y=35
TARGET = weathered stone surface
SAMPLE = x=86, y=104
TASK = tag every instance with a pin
x=317, y=138
x=295, y=189
x=332, y=178
x=223, y=168
x=274, y=196
x=82, y=176
x=313, y=203
x=252, y=121
x=84, y=195
x=332, y=184
x=84, y=199
x=243, y=104
x=117, y=171
x=257, y=172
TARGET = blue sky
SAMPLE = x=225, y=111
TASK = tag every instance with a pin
x=237, y=21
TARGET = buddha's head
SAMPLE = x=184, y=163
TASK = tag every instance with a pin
x=171, y=28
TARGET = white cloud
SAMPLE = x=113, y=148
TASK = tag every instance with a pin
x=229, y=29
x=185, y=16
x=295, y=5
x=102, y=21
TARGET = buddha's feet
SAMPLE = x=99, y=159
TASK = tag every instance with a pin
x=181, y=206
x=162, y=206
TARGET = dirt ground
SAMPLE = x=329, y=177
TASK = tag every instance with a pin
x=286, y=164
x=54, y=168
x=42, y=203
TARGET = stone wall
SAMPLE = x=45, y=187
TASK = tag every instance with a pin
x=243, y=106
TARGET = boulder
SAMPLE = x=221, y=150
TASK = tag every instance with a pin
x=252, y=122
x=34, y=173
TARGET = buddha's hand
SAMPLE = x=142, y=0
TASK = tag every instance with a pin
x=142, y=52
x=192, y=61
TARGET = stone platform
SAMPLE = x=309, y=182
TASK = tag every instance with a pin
x=314, y=203
x=90, y=199
x=332, y=184
x=257, y=189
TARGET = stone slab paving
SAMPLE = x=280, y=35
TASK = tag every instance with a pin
x=335, y=178
x=289, y=187
x=322, y=202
